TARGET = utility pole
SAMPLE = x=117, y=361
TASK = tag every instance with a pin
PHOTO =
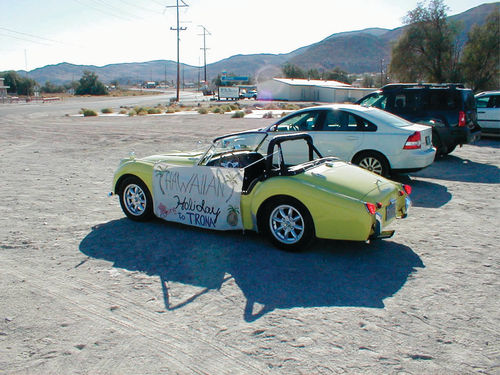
x=178, y=29
x=205, y=32
x=382, y=81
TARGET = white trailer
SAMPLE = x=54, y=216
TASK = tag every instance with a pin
x=232, y=93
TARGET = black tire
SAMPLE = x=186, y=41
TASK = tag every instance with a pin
x=135, y=199
x=288, y=224
x=373, y=161
x=438, y=144
x=450, y=149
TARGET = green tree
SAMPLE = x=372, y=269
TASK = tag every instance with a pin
x=11, y=80
x=19, y=85
x=426, y=51
x=217, y=81
x=50, y=88
x=89, y=84
x=26, y=86
x=293, y=71
x=313, y=74
x=481, y=55
x=337, y=74
x=368, y=81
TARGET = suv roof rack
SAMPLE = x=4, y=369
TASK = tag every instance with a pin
x=395, y=86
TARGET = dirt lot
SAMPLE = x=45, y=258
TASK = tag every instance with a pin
x=86, y=291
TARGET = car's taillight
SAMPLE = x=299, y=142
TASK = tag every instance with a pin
x=461, y=118
x=406, y=189
x=413, y=142
x=371, y=208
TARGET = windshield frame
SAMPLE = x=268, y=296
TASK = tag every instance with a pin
x=214, y=149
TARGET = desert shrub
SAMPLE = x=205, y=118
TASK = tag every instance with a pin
x=154, y=111
x=141, y=111
x=268, y=115
x=234, y=107
x=88, y=112
x=238, y=114
x=217, y=110
x=132, y=112
x=202, y=111
x=289, y=107
x=123, y=111
x=226, y=108
x=106, y=110
x=271, y=106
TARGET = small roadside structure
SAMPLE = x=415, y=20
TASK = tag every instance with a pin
x=309, y=90
x=3, y=90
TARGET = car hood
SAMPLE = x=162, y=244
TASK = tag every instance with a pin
x=350, y=180
x=180, y=158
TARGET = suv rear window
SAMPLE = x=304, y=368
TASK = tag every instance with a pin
x=376, y=99
x=439, y=100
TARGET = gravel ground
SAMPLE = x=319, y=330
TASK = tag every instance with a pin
x=86, y=291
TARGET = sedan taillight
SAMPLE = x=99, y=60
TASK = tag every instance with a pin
x=461, y=118
x=413, y=142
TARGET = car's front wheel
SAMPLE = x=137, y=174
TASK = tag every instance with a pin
x=135, y=199
x=372, y=161
x=289, y=225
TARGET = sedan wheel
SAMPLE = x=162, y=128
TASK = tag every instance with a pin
x=372, y=162
x=136, y=200
x=289, y=225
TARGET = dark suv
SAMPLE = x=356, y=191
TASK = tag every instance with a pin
x=449, y=108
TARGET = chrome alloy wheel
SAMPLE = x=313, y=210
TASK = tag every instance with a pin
x=286, y=224
x=134, y=199
x=372, y=164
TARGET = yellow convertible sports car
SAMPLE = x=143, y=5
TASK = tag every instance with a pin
x=244, y=182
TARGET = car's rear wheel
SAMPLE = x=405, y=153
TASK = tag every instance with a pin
x=288, y=224
x=438, y=144
x=450, y=149
x=372, y=161
x=135, y=199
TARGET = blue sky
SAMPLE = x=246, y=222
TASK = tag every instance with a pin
x=36, y=33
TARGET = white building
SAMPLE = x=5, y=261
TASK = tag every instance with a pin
x=309, y=90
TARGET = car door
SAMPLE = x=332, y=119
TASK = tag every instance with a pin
x=309, y=121
x=340, y=135
x=488, y=111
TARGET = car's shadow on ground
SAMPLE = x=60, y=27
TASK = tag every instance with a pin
x=331, y=273
x=454, y=168
x=425, y=193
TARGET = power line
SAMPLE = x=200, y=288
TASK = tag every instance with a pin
x=24, y=39
x=100, y=10
x=138, y=6
x=114, y=8
x=30, y=35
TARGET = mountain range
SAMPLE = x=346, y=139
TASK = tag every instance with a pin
x=354, y=51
